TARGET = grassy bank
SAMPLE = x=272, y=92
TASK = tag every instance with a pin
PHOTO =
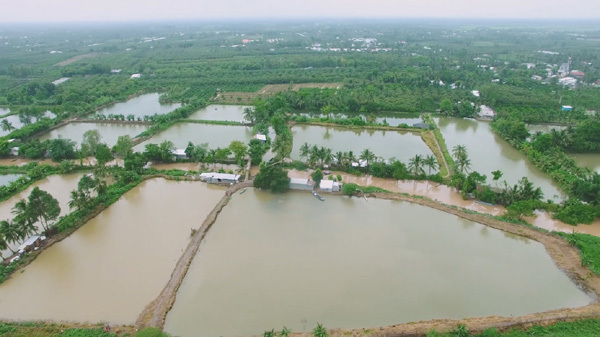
x=582, y=328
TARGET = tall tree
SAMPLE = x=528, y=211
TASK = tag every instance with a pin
x=91, y=140
x=239, y=150
x=124, y=146
x=415, y=165
x=431, y=163
x=367, y=155
x=43, y=207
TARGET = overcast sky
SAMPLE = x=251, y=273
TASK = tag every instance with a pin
x=136, y=10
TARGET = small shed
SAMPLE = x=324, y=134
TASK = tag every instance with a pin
x=567, y=108
x=179, y=154
x=329, y=186
x=136, y=76
x=261, y=137
x=219, y=178
x=301, y=184
x=31, y=244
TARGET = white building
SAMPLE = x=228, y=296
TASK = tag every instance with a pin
x=486, y=111
x=219, y=178
x=301, y=184
x=136, y=76
x=329, y=186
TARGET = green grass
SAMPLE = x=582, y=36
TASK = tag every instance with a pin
x=38, y=329
x=582, y=328
x=589, y=247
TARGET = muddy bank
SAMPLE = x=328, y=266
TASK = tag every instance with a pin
x=155, y=313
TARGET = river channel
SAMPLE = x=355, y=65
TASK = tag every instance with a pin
x=274, y=260
x=114, y=265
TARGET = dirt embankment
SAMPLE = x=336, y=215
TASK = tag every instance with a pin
x=155, y=313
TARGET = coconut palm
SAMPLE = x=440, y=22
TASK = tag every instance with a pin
x=6, y=125
x=9, y=234
x=351, y=157
x=339, y=158
x=304, y=151
x=367, y=156
x=415, y=165
x=461, y=158
x=431, y=163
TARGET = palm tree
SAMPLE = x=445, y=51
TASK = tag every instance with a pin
x=415, y=165
x=431, y=163
x=78, y=200
x=9, y=234
x=6, y=125
x=327, y=156
x=461, y=158
x=351, y=157
x=304, y=151
x=339, y=158
x=367, y=156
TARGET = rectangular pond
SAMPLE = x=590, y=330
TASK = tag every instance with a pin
x=113, y=266
x=385, y=144
x=274, y=260
x=219, y=112
x=110, y=132
x=589, y=160
x=215, y=135
x=140, y=106
x=489, y=152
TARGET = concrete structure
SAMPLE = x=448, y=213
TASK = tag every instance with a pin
x=568, y=81
x=301, y=184
x=567, y=108
x=329, y=186
x=421, y=125
x=220, y=178
x=136, y=76
x=486, y=112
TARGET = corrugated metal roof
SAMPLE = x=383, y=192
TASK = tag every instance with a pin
x=222, y=176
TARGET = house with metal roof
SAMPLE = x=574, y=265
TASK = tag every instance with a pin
x=219, y=178
x=301, y=184
x=329, y=186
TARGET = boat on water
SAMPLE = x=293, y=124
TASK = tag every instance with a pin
x=318, y=196
x=244, y=190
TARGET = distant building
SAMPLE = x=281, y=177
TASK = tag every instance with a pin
x=14, y=151
x=567, y=108
x=219, y=178
x=179, y=154
x=136, y=76
x=301, y=184
x=568, y=81
x=564, y=69
x=261, y=137
x=329, y=186
x=536, y=77
x=475, y=93
x=577, y=73
x=486, y=112
x=115, y=71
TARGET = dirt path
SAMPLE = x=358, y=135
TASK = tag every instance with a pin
x=441, y=154
x=155, y=312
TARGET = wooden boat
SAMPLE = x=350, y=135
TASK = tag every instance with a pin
x=318, y=196
x=244, y=190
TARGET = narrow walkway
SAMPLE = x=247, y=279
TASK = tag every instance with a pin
x=441, y=154
x=154, y=314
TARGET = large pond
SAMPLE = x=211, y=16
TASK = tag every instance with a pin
x=59, y=186
x=215, y=135
x=589, y=160
x=140, y=106
x=218, y=112
x=489, y=152
x=392, y=119
x=110, y=132
x=274, y=260
x=385, y=144
x=109, y=269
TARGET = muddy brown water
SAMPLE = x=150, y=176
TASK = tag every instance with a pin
x=274, y=260
x=489, y=152
x=384, y=144
x=219, y=112
x=59, y=186
x=143, y=105
x=589, y=160
x=110, y=132
x=118, y=262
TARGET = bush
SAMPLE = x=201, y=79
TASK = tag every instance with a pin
x=151, y=332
